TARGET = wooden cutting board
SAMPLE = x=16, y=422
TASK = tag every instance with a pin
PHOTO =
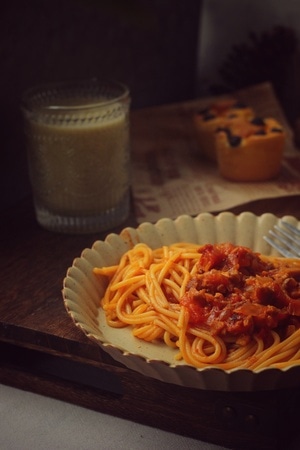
x=42, y=350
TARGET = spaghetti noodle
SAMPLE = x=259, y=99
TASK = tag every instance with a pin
x=219, y=305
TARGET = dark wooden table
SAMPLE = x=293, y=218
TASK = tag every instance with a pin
x=41, y=350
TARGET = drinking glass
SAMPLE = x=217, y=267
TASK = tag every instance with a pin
x=77, y=135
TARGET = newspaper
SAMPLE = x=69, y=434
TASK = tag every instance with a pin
x=171, y=178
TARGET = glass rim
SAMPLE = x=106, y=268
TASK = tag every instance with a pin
x=28, y=102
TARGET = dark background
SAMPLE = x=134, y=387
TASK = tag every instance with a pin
x=151, y=45
x=165, y=51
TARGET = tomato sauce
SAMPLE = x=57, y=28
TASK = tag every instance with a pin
x=237, y=293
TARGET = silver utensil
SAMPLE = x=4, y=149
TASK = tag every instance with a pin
x=285, y=238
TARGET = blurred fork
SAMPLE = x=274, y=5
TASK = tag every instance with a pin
x=285, y=239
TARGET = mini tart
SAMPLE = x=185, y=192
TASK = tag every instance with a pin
x=209, y=119
x=250, y=150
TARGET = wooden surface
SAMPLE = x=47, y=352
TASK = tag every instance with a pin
x=42, y=350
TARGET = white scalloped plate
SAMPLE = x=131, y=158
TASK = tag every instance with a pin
x=82, y=292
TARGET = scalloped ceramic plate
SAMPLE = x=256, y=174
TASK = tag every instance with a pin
x=82, y=292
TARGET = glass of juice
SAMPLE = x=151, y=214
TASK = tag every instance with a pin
x=77, y=135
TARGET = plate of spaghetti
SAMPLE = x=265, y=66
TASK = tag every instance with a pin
x=202, y=302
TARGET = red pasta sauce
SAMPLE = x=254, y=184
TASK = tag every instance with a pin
x=236, y=292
